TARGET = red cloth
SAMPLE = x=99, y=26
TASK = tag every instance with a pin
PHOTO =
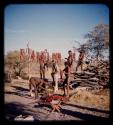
x=54, y=97
x=22, y=54
x=33, y=55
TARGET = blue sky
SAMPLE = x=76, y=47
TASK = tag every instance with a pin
x=50, y=26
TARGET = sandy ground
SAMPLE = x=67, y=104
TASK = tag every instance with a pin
x=83, y=105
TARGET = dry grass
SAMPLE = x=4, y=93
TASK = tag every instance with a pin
x=100, y=99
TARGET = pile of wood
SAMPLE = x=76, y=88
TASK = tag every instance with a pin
x=94, y=75
x=7, y=77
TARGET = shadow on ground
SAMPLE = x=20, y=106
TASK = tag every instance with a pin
x=15, y=109
x=83, y=116
x=20, y=88
x=88, y=108
x=86, y=117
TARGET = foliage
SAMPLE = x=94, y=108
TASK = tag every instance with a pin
x=98, y=40
x=14, y=64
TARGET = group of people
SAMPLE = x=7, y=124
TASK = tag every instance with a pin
x=57, y=73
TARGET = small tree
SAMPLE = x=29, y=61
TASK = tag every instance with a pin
x=13, y=63
x=98, y=40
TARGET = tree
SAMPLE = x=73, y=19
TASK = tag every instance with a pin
x=98, y=40
x=13, y=63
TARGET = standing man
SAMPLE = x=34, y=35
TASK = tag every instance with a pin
x=80, y=60
x=42, y=66
x=74, y=57
x=33, y=55
x=59, y=57
x=67, y=71
x=37, y=56
x=55, y=75
x=70, y=59
x=66, y=82
x=22, y=54
x=46, y=58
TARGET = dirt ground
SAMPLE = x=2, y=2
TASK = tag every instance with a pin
x=82, y=105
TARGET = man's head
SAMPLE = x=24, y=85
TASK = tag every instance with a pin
x=82, y=51
x=54, y=61
x=70, y=52
x=45, y=50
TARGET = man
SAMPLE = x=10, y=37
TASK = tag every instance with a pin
x=37, y=84
x=33, y=55
x=70, y=58
x=53, y=56
x=74, y=57
x=37, y=56
x=55, y=75
x=67, y=71
x=42, y=65
x=80, y=60
x=59, y=57
x=46, y=58
x=22, y=54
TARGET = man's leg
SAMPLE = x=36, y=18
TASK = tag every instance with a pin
x=64, y=88
x=53, y=81
x=31, y=89
x=77, y=67
x=56, y=83
x=41, y=73
x=68, y=86
x=36, y=94
x=61, y=74
x=47, y=65
x=81, y=66
x=31, y=92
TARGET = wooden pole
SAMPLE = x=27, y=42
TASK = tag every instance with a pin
x=28, y=61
